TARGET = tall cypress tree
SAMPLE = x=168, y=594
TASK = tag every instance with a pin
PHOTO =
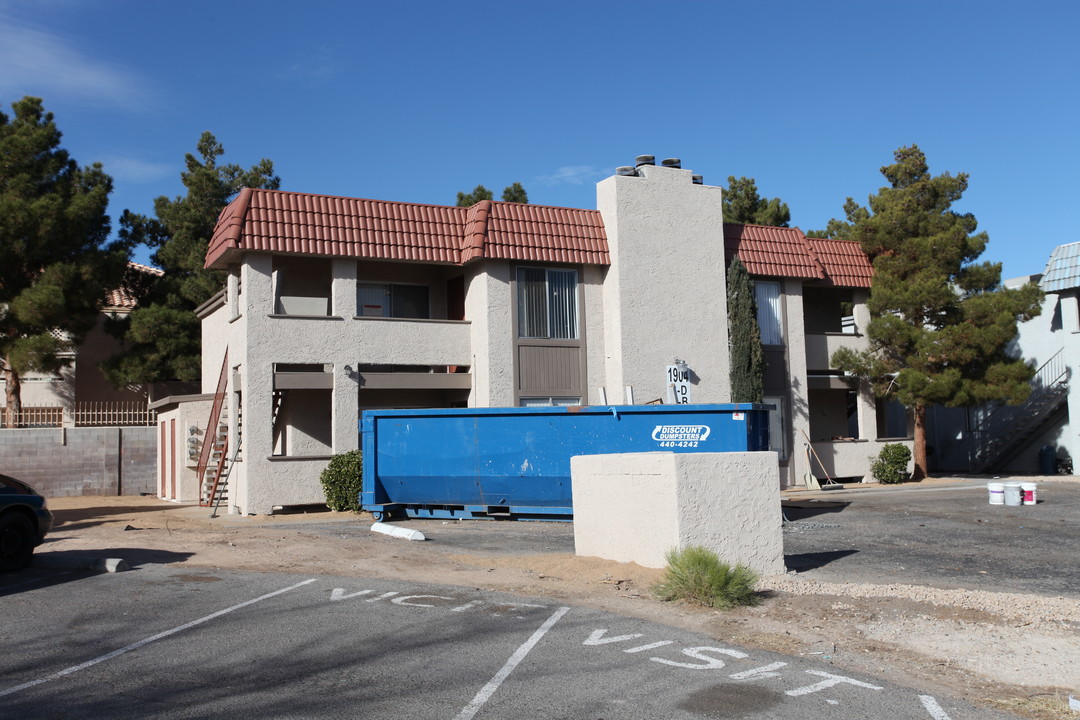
x=744, y=337
x=940, y=323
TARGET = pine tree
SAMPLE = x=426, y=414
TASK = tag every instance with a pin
x=469, y=199
x=162, y=336
x=742, y=204
x=515, y=193
x=744, y=337
x=940, y=323
x=56, y=263
x=511, y=193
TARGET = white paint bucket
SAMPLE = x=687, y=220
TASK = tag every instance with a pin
x=1028, y=493
x=996, y=492
x=1012, y=493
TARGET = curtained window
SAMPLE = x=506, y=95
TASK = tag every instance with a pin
x=547, y=304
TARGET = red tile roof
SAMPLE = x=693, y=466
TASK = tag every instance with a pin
x=772, y=251
x=121, y=298
x=284, y=222
x=844, y=261
x=787, y=252
x=304, y=224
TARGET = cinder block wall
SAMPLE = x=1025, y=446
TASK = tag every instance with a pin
x=62, y=462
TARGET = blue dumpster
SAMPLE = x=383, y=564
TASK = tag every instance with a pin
x=515, y=462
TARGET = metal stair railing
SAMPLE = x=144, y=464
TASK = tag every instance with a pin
x=1007, y=427
x=210, y=439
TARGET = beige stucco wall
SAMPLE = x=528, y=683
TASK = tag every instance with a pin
x=256, y=341
x=635, y=507
x=850, y=458
x=179, y=419
x=795, y=339
x=665, y=293
x=489, y=307
x=592, y=282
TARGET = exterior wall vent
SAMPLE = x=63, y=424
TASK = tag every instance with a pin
x=645, y=160
x=672, y=163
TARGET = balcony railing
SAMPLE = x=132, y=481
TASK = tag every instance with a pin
x=820, y=347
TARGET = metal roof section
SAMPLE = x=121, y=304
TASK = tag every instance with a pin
x=304, y=224
x=1062, y=269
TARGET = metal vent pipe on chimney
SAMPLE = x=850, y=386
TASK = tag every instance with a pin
x=625, y=170
x=672, y=163
x=645, y=160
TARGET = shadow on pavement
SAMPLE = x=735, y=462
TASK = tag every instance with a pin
x=802, y=509
x=802, y=562
x=80, y=518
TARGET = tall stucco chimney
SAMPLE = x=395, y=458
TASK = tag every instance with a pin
x=665, y=291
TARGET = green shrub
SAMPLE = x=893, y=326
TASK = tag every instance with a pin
x=697, y=575
x=342, y=482
x=890, y=466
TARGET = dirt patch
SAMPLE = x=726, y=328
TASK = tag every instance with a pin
x=1008, y=651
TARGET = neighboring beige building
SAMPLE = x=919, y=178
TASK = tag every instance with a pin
x=80, y=394
x=335, y=305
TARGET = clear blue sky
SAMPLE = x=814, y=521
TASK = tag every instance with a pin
x=415, y=101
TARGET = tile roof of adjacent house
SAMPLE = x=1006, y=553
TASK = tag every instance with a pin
x=786, y=252
x=1062, y=269
x=121, y=298
x=304, y=224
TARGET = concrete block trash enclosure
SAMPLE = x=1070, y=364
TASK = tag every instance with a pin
x=515, y=462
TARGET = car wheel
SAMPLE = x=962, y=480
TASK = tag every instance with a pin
x=16, y=541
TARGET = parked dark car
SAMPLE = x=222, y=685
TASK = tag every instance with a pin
x=24, y=520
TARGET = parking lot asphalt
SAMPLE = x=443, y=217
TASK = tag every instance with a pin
x=170, y=642
x=941, y=534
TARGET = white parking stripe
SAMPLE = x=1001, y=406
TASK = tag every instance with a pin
x=147, y=641
x=488, y=690
x=933, y=708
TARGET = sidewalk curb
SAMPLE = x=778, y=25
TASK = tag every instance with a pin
x=398, y=532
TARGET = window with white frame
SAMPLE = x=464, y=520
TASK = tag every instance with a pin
x=769, y=316
x=547, y=304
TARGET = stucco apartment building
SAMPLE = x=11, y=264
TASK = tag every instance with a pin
x=335, y=305
x=79, y=392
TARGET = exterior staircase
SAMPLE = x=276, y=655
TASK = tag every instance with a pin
x=1009, y=428
x=215, y=458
